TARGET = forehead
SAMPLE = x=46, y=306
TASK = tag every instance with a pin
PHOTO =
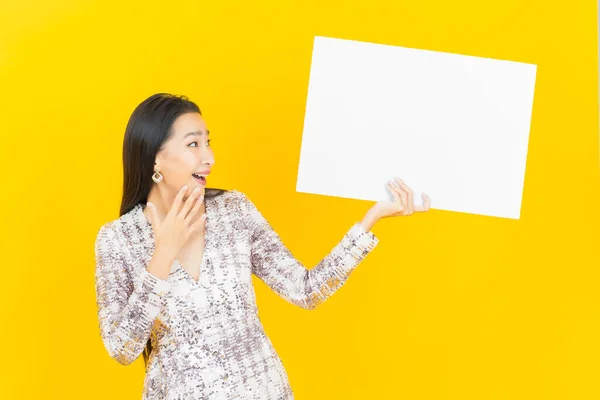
x=187, y=123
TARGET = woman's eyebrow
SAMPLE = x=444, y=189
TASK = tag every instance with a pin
x=197, y=133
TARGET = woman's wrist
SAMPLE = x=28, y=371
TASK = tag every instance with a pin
x=161, y=262
x=370, y=219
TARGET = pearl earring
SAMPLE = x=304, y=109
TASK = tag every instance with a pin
x=157, y=177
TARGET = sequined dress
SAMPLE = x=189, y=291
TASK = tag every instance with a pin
x=207, y=338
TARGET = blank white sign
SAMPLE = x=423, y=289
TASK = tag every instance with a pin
x=453, y=126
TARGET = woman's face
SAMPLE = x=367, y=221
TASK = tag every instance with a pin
x=186, y=158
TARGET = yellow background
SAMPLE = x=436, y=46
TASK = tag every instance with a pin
x=449, y=305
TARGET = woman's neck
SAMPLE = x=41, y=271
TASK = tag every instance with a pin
x=164, y=201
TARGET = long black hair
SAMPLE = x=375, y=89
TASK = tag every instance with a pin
x=149, y=126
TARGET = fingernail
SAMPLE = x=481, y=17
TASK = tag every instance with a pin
x=149, y=204
x=185, y=186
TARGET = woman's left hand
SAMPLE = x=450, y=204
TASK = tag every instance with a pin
x=403, y=204
x=404, y=201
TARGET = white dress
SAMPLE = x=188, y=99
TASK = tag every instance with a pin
x=207, y=338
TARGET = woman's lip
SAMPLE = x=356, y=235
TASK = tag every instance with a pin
x=200, y=181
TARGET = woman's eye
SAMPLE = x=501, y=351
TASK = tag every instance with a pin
x=196, y=143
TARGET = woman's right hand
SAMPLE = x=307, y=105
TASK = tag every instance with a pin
x=175, y=229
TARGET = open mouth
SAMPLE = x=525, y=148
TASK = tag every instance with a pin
x=200, y=178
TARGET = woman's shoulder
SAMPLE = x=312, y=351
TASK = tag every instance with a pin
x=107, y=238
x=229, y=196
x=114, y=229
x=235, y=202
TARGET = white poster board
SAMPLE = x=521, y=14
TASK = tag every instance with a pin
x=453, y=126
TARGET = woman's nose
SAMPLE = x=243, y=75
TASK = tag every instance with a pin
x=210, y=161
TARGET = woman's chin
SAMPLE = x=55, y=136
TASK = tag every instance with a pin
x=195, y=185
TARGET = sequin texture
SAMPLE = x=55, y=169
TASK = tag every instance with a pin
x=207, y=338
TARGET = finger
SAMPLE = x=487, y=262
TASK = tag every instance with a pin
x=189, y=202
x=403, y=194
x=178, y=199
x=190, y=215
x=396, y=194
x=426, y=204
x=410, y=198
x=199, y=222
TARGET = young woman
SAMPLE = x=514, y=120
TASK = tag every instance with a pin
x=173, y=272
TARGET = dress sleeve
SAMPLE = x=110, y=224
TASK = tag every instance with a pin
x=126, y=307
x=275, y=265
